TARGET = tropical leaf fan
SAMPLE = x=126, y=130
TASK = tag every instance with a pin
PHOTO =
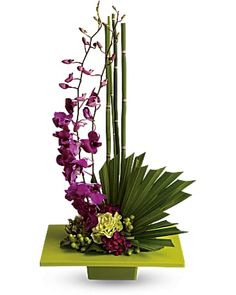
x=146, y=194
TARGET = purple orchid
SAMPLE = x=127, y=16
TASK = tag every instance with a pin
x=91, y=144
x=78, y=124
x=87, y=114
x=66, y=157
x=70, y=104
x=86, y=192
x=61, y=119
x=93, y=100
x=75, y=168
x=64, y=137
x=84, y=71
x=85, y=199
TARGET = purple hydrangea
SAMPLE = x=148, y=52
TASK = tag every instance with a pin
x=117, y=244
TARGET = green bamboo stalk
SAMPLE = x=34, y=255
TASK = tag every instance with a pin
x=124, y=98
x=108, y=92
x=115, y=89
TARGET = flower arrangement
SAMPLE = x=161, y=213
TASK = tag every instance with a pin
x=123, y=211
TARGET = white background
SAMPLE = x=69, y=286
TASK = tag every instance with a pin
x=181, y=111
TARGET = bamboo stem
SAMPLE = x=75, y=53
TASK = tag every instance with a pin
x=108, y=92
x=124, y=98
x=115, y=89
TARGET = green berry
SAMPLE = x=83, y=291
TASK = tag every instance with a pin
x=88, y=240
x=73, y=245
x=132, y=217
x=83, y=249
x=72, y=238
x=137, y=250
x=81, y=241
x=79, y=236
x=129, y=252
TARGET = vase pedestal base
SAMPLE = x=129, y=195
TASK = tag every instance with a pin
x=112, y=273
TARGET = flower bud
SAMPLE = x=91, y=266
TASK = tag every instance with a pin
x=69, y=78
x=83, y=31
x=85, y=41
x=67, y=61
x=99, y=45
x=64, y=85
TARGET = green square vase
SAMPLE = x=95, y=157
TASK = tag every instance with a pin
x=107, y=267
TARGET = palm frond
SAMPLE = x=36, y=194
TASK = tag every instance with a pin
x=146, y=194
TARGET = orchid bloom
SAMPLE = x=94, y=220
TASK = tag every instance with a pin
x=87, y=114
x=91, y=144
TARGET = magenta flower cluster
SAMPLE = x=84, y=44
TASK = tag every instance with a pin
x=117, y=244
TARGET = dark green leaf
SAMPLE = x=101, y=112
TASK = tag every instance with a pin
x=159, y=233
x=155, y=226
x=104, y=178
x=135, y=179
x=138, y=161
x=95, y=248
x=154, y=216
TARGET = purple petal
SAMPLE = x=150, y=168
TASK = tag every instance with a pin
x=83, y=163
x=74, y=147
x=93, y=135
x=85, y=144
x=97, y=198
x=61, y=119
x=79, y=124
x=83, y=189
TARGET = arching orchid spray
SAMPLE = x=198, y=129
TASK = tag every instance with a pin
x=76, y=154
